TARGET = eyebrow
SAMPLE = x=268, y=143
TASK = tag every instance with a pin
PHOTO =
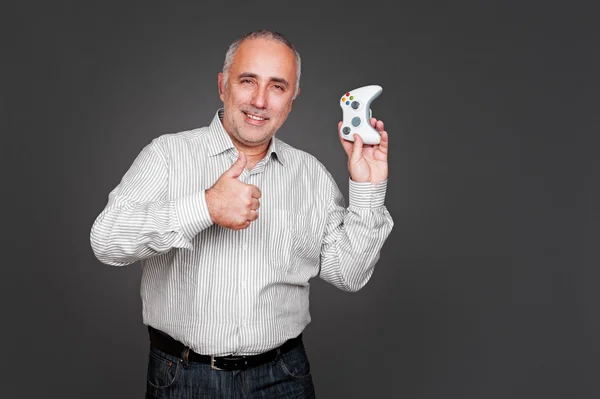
x=272, y=79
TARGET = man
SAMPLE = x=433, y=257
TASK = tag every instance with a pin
x=230, y=223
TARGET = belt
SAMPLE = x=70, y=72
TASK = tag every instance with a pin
x=168, y=344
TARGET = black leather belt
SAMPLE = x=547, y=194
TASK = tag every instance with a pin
x=168, y=344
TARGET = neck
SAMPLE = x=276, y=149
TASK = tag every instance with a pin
x=253, y=154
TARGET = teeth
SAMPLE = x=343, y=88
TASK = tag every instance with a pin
x=256, y=118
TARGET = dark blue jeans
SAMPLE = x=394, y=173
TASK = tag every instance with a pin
x=289, y=377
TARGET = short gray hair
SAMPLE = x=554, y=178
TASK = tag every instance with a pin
x=261, y=34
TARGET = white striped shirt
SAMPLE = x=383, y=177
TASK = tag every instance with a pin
x=221, y=291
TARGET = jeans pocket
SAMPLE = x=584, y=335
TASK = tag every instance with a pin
x=295, y=363
x=163, y=369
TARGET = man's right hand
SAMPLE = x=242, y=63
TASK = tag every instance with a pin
x=231, y=202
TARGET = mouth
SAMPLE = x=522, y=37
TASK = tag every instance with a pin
x=254, y=119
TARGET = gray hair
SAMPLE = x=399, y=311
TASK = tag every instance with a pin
x=260, y=34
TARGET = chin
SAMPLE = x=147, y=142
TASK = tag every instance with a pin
x=255, y=141
x=255, y=136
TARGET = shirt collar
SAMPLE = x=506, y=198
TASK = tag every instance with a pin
x=219, y=140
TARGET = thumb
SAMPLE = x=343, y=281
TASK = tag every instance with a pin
x=238, y=167
x=357, y=149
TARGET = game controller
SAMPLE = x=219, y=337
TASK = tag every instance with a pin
x=356, y=108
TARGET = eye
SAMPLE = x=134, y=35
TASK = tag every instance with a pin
x=279, y=87
x=246, y=81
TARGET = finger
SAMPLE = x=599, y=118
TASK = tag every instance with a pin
x=240, y=225
x=254, y=204
x=238, y=166
x=384, y=142
x=252, y=215
x=377, y=124
x=255, y=191
x=357, y=149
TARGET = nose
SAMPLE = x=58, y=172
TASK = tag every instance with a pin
x=259, y=99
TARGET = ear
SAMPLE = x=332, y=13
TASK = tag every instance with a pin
x=297, y=94
x=221, y=85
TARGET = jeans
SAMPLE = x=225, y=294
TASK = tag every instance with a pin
x=288, y=376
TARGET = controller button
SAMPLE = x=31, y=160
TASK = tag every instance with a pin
x=347, y=94
x=343, y=98
x=355, y=104
x=347, y=102
x=351, y=97
x=355, y=121
x=346, y=130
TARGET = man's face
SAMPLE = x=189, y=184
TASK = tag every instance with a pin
x=259, y=93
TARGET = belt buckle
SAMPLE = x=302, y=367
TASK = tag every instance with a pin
x=212, y=364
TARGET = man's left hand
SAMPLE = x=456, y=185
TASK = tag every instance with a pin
x=367, y=163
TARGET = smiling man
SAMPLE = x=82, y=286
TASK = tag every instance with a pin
x=258, y=93
x=230, y=223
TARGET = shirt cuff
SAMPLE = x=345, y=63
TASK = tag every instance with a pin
x=192, y=213
x=367, y=195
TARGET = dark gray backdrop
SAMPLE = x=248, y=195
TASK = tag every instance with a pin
x=486, y=286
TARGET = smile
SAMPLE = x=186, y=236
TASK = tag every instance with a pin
x=255, y=117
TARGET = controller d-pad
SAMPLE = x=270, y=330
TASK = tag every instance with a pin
x=355, y=121
x=355, y=104
x=346, y=130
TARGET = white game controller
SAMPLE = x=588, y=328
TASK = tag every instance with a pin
x=356, y=108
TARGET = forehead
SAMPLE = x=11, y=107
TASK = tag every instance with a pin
x=265, y=57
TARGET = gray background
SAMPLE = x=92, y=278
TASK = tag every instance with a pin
x=486, y=286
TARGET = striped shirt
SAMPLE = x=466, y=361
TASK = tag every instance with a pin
x=242, y=292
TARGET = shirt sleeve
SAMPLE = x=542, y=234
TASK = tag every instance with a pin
x=139, y=221
x=354, y=235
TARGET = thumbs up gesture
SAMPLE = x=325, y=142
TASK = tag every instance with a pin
x=231, y=202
